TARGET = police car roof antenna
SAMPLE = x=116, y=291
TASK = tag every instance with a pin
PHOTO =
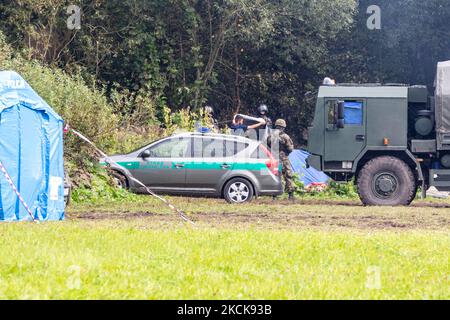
x=109, y=161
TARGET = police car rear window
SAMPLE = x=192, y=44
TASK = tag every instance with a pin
x=213, y=148
x=232, y=148
x=216, y=148
x=259, y=153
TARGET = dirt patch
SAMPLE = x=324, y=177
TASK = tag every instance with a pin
x=279, y=220
x=431, y=205
x=113, y=216
x=346, y=203
x=350, y=203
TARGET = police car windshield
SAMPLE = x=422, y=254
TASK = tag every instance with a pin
x=146, y=146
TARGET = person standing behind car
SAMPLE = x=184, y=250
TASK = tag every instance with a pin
x=281, y=144
x=240, y=129
x=209, y=114
x=264, y=131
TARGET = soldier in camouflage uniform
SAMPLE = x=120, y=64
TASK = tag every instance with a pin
x=281, y=143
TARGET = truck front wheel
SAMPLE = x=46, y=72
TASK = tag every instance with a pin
x=386, y=181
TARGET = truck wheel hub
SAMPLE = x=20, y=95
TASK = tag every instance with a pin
x=385, y=184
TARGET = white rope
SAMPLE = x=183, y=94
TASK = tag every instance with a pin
x=109, y=162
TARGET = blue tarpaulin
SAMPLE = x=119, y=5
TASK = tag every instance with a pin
x=31, y=150
x=306, y=175
x=353, y=113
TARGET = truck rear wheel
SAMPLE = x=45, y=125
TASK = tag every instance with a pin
x=386, y=181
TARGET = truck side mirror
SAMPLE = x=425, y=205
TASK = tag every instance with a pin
x=340, y=123
x=341, y=108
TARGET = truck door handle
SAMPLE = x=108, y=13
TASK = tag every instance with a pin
x=225, y=166
x=360, y=137
x=179, y=165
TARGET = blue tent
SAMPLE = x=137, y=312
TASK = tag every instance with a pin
x=306, y=175
x=31, y=151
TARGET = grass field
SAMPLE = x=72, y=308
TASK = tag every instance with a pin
x=265, y=250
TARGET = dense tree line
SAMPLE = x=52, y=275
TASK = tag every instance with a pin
x=232, y=54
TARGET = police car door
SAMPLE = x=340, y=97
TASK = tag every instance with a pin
x=165, y=167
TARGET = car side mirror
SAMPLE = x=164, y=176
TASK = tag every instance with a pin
x=146, y=154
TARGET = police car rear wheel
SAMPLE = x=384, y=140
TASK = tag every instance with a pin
x=238, y=191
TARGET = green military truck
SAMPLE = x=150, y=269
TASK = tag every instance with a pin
x=390, y=139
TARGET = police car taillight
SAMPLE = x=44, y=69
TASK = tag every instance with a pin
x=271, y=163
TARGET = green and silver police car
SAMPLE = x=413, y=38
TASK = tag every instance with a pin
x=235, y=168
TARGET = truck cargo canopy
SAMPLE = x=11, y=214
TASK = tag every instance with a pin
x=442, y=96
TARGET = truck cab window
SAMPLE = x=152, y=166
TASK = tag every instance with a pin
x=331, y=112
x=353, y=111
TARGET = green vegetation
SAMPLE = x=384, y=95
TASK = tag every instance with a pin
x=333, y=190
x=139, y=70
x=87, y=109
x=101, y=188
x=231, y=54
x=138, y=248
x=146, y=56
x=117, y=254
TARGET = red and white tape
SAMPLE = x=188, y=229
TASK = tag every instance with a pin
x=13, y=186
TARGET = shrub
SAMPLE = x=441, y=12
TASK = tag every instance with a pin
x=116, y=122
x=333, y=190
x=100, y=187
